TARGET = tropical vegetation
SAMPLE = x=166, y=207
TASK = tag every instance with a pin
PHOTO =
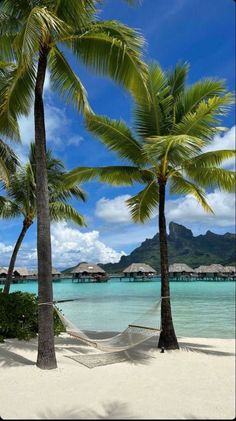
x=19, y=316
x=167, y=151
x=36, y=35
x=20, y=199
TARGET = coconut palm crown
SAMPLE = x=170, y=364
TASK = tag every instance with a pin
x=19, y=199
x=29, y=28
x=172, y=127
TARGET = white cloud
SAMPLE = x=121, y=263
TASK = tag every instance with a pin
x=69, y=246
x=187, y=211
x=224, y=141
x=113, y=210
x=56, y=123
x=74, y=140
x=5, y=249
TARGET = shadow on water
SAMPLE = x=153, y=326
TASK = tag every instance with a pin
x=112, y=411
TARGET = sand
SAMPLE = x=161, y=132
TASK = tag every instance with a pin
x=196, y=382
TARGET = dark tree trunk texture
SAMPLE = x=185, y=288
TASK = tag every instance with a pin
x=167, y=338
x=46, y=351
x=26, y=225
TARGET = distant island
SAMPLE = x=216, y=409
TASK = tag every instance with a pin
x=184, y=247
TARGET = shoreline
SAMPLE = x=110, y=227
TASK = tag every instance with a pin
x=195, y=382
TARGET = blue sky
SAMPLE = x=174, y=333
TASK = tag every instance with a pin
x=200, y=32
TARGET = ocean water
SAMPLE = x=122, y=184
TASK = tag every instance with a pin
x=199, y=309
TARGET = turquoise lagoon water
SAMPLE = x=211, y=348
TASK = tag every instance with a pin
x=199, y=309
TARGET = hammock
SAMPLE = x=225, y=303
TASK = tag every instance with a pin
x=135, y=334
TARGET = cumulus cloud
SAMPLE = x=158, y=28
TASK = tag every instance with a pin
x=183, y=210
x=187, y=210
x=224, y=141
x=56, y=123
x=113, y=210
x=69, y=246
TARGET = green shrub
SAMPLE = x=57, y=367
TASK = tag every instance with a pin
x=19, y=316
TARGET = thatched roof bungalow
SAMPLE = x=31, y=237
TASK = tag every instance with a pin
x=55, y=273
x=139, y=269
x=180, y=269
x=21, y=273
x=229, y=270
x=213, y=270
x=3, y=272
x=89, y=271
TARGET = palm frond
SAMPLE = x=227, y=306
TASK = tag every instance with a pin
x=8, y=209
x=181, y=186
x=116, y=136
x=75, y=13
x=16, y=93
x=212, y=177
x=39, y=27
x=151, y=115
x=62, y=211
x=8, y=162
x=112, y=49
x=211, y=158
x=201, y=123
x=177, y=79
x=144, y=203
x=66, y=82
x=115, y=175
x=172, y=149
x=199, y=92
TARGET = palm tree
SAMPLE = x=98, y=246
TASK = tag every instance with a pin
x=20, y=199
x=173, y=125
x=36, y=35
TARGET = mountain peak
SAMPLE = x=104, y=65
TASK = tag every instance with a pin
x=177, y=230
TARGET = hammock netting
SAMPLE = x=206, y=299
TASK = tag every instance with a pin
x=144, y=327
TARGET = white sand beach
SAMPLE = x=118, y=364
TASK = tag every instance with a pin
x=196, y=382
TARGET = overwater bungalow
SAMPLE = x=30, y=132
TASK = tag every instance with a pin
x=3, y=272
x=20, y=274
x=180, y=271
x=139, y=272
x=209, y=271
x=56, y=275
x=229, y=270
x=89, y=272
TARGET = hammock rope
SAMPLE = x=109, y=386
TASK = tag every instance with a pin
x=143, y=328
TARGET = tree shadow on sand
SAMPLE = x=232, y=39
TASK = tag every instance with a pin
x=112, y=411
x=204, y=349
x=9, y=358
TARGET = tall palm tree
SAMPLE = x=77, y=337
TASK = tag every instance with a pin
x=173, y=125
x=36, y=35
x=20, y=199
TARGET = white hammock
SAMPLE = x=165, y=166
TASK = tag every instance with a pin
x=136, y=333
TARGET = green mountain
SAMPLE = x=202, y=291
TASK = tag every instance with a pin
x=183, y=248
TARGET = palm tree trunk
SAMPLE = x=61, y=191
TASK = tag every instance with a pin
x=46, y=351
x=26, y=225
x=168, y=338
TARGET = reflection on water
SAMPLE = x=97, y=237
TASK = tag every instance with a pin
x=200, y=309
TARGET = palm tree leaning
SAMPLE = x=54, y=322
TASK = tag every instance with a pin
x=36, y=34
x=173, y=126
x=20, y=200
